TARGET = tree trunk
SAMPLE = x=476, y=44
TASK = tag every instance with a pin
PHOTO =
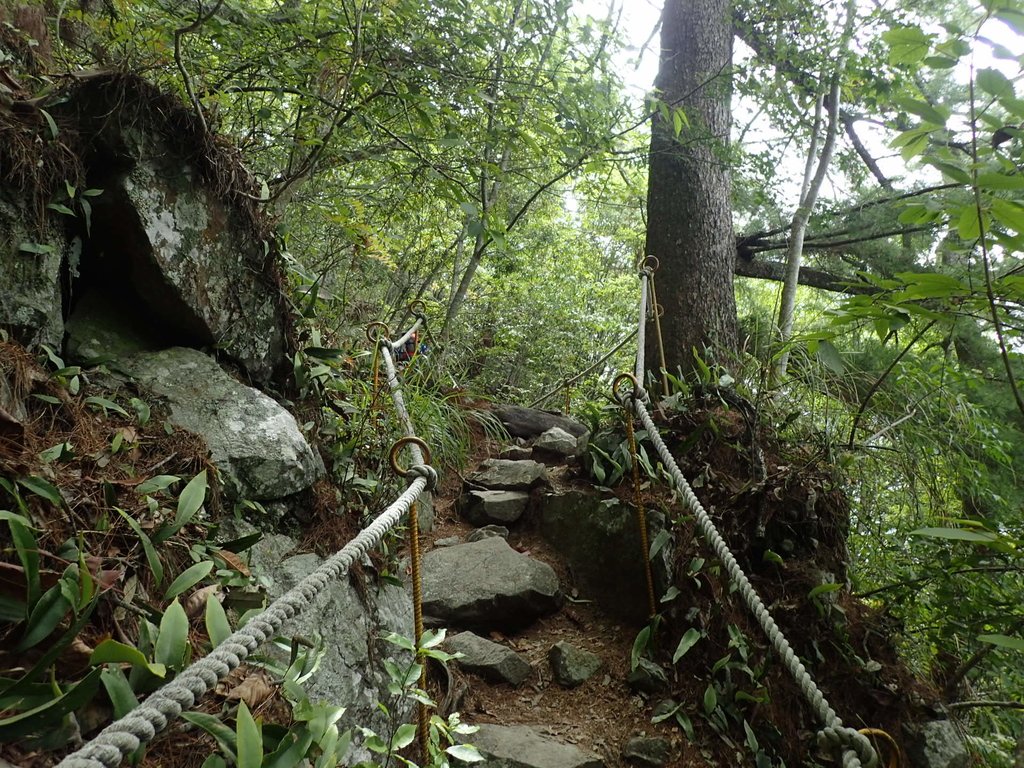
x=689, y=225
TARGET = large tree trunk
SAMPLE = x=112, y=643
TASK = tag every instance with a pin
x=689, y=226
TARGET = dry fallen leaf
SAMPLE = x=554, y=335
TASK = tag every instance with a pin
x=196, y=602
x=233, y=561
x=254, y=690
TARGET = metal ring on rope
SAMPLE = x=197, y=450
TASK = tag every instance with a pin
x=376, y=331
x=637, y=393
x=423, y=470
x=418, y=309
x=895, y=755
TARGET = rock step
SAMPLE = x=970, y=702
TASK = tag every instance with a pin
x=526, y=746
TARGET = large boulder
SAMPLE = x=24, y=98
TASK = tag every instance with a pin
x=487, y=584
x=526, y=746
x=188, y=262
x=254, y=442
x=600, y=539
x=350, y=623
x=530, y=422
x=936, y=744
x=30, y=274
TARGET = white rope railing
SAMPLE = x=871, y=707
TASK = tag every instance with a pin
x=122, y=737
x=856, y=750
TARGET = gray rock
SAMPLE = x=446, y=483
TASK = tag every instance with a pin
x=530, y=422
x=425, y=512
x=648, y=678
x=504, y=475
x=484, y=507
x=30, y=286
x=487, y=584
x=192, y=260
x=557, y=440
x=490, y=661
x=100, y=330
x=487, y=532
x=516, y=453
x=253, y=441
x=936, y=744
x=350, y=623
x=448, y=541
x=600, y=540
x=525, y=746
x=572, y=666
x=647, y=750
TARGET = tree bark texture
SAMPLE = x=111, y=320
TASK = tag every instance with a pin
x=689, y=225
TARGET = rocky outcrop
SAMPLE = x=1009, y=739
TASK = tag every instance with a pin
x=487, y=507
x=600, y=539
x=525, y=746
x=254, y=442
x=487, y=584
x=530, y=422
x=350, y=622
x=31, y=256
x=936, y=744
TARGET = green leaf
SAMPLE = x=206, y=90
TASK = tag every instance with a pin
x=172, y=641
x=46, y=615
x=18, y=726
x=686, y=724
x=956, y=534
x=43, y=488
x=937, y=116
x=191, y=500
x=660, y=540
x=968, y=226
x=403, y=737
x=1004, y=641
x=50, y=123
x=994, y=82
x=687, y=642
x=643, y=638
x=907, y=45
x=59, y=208
x=217, y=626
x=213, y=726
x=249, y=739
x=467, y=753
x=710, y=699
x=156, y=484
x=152, y=558
x=120, y=692
x=37, y=248
x=216, y=761
x=824, y=589
x=829, y=357
x=1009, y=214
x=28, y=553
x=189, y=578
x=112, y=652
x=1000, y=181
x=105, y=405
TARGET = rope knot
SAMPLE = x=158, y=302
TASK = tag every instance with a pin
x=425, y=471
x=840, y=738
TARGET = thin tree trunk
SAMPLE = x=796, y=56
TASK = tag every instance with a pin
x=809, y=196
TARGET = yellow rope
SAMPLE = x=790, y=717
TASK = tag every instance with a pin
x=641, y=514
x=417, y=613
x=657, y=332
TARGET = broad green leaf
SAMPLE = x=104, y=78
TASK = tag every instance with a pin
x=1000, y=181
x=18, y=726
x=687, y=642
x=172, y=640
x=968, y=225
x=189, y=578
x=37, y=248
x=121, y=695
x=112, y=652
x=249, y=739
x=191, y=500
x=46, y=615
x=28, y=553
x=994, y=82
x=1009, y=214
x=152, y=558
x=824, y=589
x=216, y=728
x=907, y=45
x=829, y=356
x=640, y=644
x=404, y=736
x=710, y=699
x=217, y=626
x=660, y=540
x=956, y=534
x=106, y=405
x=467, y=753
x=935, y=115
x=156, y=484
x=41, y=487
x=1004, y=641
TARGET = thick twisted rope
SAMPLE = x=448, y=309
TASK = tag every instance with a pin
x=138, y=727
x=856, y=749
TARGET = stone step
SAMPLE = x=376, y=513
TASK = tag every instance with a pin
x=526, y=746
